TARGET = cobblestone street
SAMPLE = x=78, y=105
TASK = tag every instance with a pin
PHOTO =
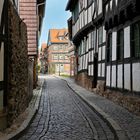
x=62, y=115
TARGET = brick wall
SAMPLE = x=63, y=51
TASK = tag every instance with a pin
x=28, y=12
x=18, y=66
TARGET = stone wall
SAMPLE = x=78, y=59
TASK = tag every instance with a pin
x=84, y=80
x=127, y=100
x=30, y=78
x=17, y=95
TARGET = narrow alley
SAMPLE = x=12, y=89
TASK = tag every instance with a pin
x=62, y=115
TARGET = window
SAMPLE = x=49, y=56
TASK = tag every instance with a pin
x=75, y=13
x=66, y=57
x=109, y=48
x=60, y=37
x=100, y=35
x=61, y=47
x=55, y=48
x=120, y=44
x=61, y=56
x=55, y=57
x=135, y=39
x=80, y=49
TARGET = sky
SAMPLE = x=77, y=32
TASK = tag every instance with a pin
x=55, y=17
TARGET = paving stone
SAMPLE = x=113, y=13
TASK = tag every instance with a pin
x=62, y=115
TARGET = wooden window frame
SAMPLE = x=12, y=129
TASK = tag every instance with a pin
x=120, y=45
x=109, y=48
x=135, y=48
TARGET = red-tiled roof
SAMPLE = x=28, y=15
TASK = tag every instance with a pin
x=43, y=46
x=58, y=36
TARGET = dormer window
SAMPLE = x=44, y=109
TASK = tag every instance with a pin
x=60, y=37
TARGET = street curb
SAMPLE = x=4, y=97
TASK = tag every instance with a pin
x=114, y=126
x=32, y=112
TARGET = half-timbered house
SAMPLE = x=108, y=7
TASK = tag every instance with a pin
x=122, y=23
x=88, y=35
x=106, y=34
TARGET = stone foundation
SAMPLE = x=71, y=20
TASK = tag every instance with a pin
x=130, y=102
x=84, y=80
x=100, y=86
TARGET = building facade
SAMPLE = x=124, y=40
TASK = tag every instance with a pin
x=106, y=34
x=57, y=52
x=85, y=37
x=43, y=59
x=72, y=58
x=32, y=12
x=14, y=87
x=13, y=61
x=122, y=23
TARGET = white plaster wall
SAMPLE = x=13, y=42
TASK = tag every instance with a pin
x=119, y=78
x=80, y=19
x=104, y=35
x=86, y=61
x=89, y=70
x=92, y=70
x=83, y=62
x=103, y=52
x=127, y=76
x=99, y=58
x=83, y=18
x=127, y=42
x=99, y=70
x=1, y=7
x=103, y=69
x=96, y=42
x=2, y=62
x=79, y=66
x=136, y=77
x=86, y=17
x=92, y=9
x=89, y=41
x=99, y=7
x=89, y=57
x=113, y=84
x=111, y=5
x=85, y=3
x=106, y=8
x=87, y=45
x=85, y=56
x=114, y=37
x=92, y=55
x=108, y=76
x=89, y=14
x=116, y=2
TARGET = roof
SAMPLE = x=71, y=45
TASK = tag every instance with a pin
x=43, y=46
x=70, y=4
x=58, y=36
x=41, y=10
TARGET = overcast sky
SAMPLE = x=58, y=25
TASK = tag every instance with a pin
x=55, y=17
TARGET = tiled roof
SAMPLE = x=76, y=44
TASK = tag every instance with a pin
x=58, y=36
x=43, y=46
